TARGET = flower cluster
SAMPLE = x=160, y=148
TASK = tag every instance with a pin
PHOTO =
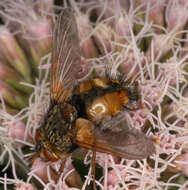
x=146, y=41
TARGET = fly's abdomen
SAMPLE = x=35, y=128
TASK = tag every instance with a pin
x=107, y=105
x=98, y=98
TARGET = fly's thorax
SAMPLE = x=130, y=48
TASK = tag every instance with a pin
x=56, y=134
x=86, y=86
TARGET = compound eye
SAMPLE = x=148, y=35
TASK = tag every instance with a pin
x=49, y=156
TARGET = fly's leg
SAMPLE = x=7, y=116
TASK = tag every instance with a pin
x=93, y=169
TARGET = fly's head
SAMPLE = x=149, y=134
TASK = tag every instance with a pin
x=134, y=98
x=54, y=138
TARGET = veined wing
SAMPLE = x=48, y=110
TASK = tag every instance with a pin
x=115, y=137
x=66, y=57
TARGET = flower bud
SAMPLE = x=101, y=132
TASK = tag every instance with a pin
x=84, y=29
x=130, y=66
x=9, y=110
x=155, y=11
x=11, y=96
x=173, y=113
x=38, y=37
x=122, y=28
x=180, y=164
x=33, y=25
x=177, y=110
x=8, y=74
x=113, y=178
x=44, y=7
x=16, y=130
x=12, y=53
x=39, y=168
x=150, y=91
x=74, y=180
x=109, y=8
x=13, y=78
x=162, y=43
x=84, y=69
x=103, y=37
x=24, y=186
x=177, y=15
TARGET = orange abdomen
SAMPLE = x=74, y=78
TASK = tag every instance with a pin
x=107, y=105
x=101, y=97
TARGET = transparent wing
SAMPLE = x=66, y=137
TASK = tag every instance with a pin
x=116, y=137
x=66, y=59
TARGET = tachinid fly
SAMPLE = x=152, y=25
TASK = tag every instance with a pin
x=88, y=114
